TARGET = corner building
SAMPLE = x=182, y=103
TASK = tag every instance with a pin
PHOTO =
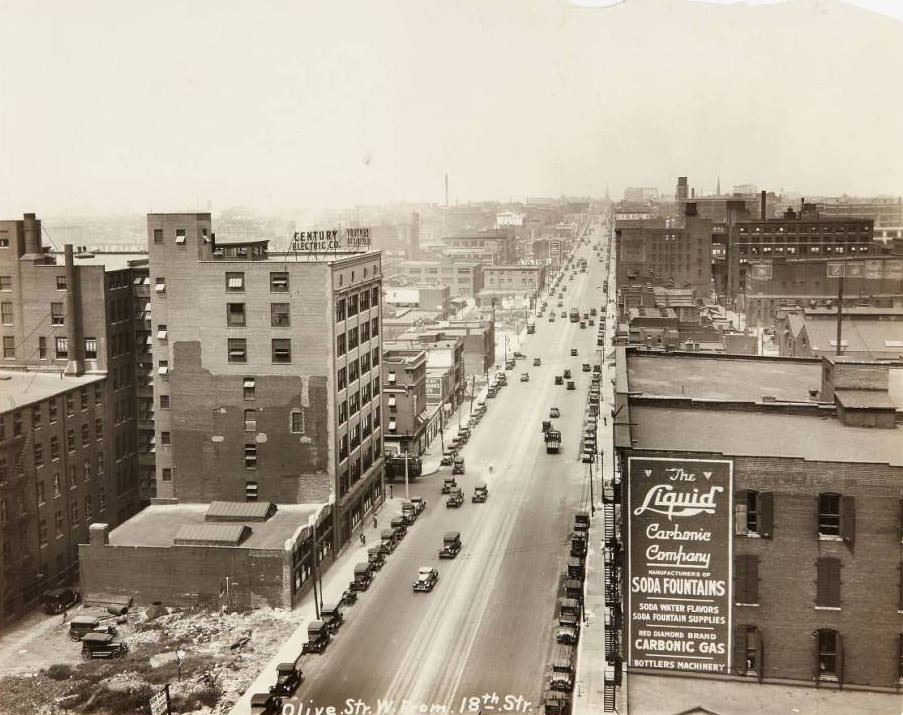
x=267, y=372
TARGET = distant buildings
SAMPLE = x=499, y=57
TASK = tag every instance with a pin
x=867, y=333
x=464, y=278
x=490, y=247
x=524, y=282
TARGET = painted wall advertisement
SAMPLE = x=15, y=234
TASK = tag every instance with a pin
x=679, y=564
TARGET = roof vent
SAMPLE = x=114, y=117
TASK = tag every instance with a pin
x=769, y=398
x=813, y=394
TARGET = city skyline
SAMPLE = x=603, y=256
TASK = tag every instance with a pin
x=283, y=107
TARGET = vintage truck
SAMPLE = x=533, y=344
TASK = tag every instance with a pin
x=553, y=441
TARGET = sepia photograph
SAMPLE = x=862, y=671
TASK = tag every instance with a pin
x=408, y=357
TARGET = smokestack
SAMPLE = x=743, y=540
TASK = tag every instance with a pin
x=32, y=235
x=762, y=209
x=76, y=364
x=693, y=192
x=446, y=189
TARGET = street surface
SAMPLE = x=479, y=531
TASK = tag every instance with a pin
x=487, y=630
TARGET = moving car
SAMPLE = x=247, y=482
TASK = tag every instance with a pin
x=559, y=380
x=525, y=377
x=571, y=385
x=480, y=493
x=573, y=352
x=448, y=457
x=519, y=356
x=448, y=484
x=458, y=466
x=554, y=412
x=426, y=579
x=102, y=645
x=455, y=499
x=288, y=677
x=537, y=362
x=451, y=545
x=567, y=374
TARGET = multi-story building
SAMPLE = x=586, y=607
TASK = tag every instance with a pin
x=267, y=372
x=479, y=343
x=69, y=437
x=803, y=234
x=404, y=401
x=761, y=505
x=782, y=281
x=445, y=353
x=670, y=252
x=885, y=211
x=866, y=332
x=492, y=247
x=525, y=281
x=464, y=278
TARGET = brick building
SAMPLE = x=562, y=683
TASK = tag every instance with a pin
x=761, y=521
x=267, y=383
x=492, y=247
x=463, y=278
x=67, y=426
x=670, y=252
x=404, y=401
x=519, y=281
x=866, y=332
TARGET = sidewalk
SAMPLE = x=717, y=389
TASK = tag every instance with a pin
x=334, y=581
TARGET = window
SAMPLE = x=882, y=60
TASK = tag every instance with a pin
x=160, y=286
x=374, y=327
x=250, y=420
x=365, y=332
x=42, y=532
x=746, y=579
x=250, y=491
x=249, y=387
x=343, y=411
x=352, y=305
x=165, y=438
x=62, y=347
x=365, y=363
x=352, y=338
x=753, y=513
x=70, y=404
x=6, y=283
x=98, y=395
x=353, y=371
x=392, y=403
x=235, y=282
x=158, y=235
x=341, y=380
x=238, y=350
x=828, y=583
x=354, y=404
x=279, y=315
x=86, y=470
x=340, y=344
x=161, y=332
x=56, y=314
x=89, y=508
x=180, y=236
x=297, y=422
x=58, y=521
x=163, y=367
x=375, y=356
x=250, y=456
x=235, y=315
x=278, y=282
x=390, y=378
x=282, y=350
x=343, y=448
x=340, y=310
x=836, y=517
x=392, y=424
x=35, y=418
x=42, y=348
x=9, y=347
x=83, y=398
x=39, y=452
x=98, y=429
x=52, y=409
x=374, y=297
x=6, y=313
x=61, y=282
x=376, y=386
x=86, y=434
x=830, y=655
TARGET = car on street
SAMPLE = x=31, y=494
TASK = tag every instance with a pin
x=426, y=579
x=455, y=499
x=563, y=313
x=451, y=545
x=568, y=635
x=448, y=458
x=419, y=504
x=458, y=466
x=266, y=704
x=537, y=362
x=288, y=678
x=525, y=377
x=58, y=600
x=448, y=484
x=573, y=352
x=519, y=356
x=554, y=412
x=480, y=493
x=571, y=385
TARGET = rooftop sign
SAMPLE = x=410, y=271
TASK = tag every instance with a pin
x=337, y=240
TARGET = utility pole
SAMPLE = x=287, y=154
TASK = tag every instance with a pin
x=407, y=495
x=840, y=309
x=592, y=498
x=316, y=600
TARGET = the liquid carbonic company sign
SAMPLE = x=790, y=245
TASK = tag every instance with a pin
x=679, y=564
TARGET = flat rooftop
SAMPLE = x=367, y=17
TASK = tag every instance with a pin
x=158, y=525
x=762, y=434
x=19, y=389
x=109, y=261
x=731, y=379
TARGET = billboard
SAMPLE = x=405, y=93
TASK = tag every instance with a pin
x=348, y=240
x=679, y=567
x=760, y=271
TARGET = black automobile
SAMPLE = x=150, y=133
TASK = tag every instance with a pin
x=58, y=600
x=80, y=626
x=266, y=704
x=102, y=645
x=288, y=677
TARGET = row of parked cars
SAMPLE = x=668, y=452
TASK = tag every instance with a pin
x=320, y=632
x=559, y=685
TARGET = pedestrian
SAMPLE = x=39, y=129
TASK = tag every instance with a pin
x=390, y=491
x=363, y=538
x=605, y=421
x=374, y=522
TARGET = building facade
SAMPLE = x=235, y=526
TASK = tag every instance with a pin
x=463, y=278
x=267, y=372
x=405, y=401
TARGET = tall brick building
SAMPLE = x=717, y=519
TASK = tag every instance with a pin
x=67, y=426
x=267, y=383
x=762, y=521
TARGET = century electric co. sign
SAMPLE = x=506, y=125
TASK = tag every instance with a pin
x=679, y=564
x=331, y=240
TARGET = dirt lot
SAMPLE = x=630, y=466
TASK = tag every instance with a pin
x=41, y=669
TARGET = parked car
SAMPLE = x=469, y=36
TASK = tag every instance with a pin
x=448, y=457
x=266, y=704
x=331, y=615
x=569, y=635
x=288, y=677
x=102, y=645
x=79, y=626
x=426, y=579
x=58, y=600
x=419, y=504
x=317, y=637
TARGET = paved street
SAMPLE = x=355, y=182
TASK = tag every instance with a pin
x=488, y=626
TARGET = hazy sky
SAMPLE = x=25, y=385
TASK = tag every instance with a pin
x=124, y=106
